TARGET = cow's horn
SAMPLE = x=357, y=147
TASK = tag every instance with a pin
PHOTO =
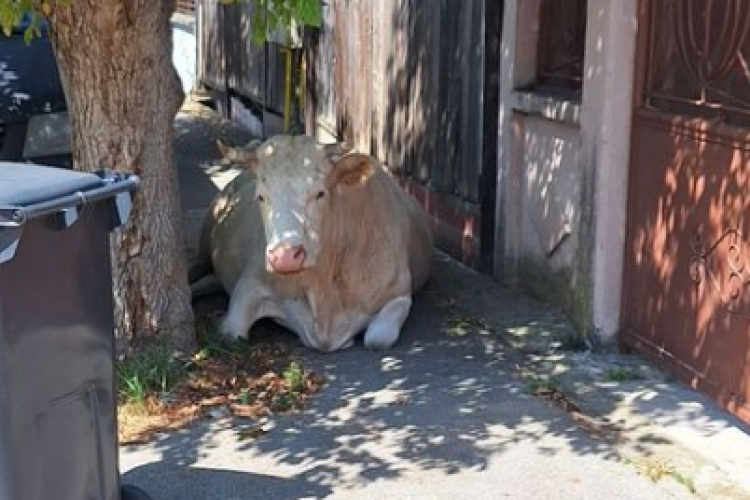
x=242, y=154
x=336, y=151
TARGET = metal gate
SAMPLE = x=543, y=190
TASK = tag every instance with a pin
x=687, y=273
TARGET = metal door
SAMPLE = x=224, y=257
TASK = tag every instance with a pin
x=686, y=297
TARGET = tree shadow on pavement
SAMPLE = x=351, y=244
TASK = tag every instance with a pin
x=198, y=482
x=447, y=399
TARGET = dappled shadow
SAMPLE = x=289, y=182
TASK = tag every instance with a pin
x=433, y=125
x=685, y=277
x=197, y=128
x=546, y=194
x=445, y=400
x=198, y=482
x=201, y=171
x=410, y=85
x=686, y=286
x=547, y=230
x=686, y=257
x=29, y=79
x=552, y=193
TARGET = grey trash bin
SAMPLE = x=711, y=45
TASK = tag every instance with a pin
x=58, y=425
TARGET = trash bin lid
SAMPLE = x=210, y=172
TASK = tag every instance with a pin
x=24, y=184
x=29, y=191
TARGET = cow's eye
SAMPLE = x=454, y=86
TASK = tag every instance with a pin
x=320, y=195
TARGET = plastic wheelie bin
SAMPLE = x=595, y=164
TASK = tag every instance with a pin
x=58, y=425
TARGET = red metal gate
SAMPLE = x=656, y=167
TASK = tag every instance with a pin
x=687, y=273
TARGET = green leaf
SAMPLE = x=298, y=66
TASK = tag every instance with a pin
x=32, y=30
x=259, y=28
x=282, y=14
x=12, y=12
x=309, y=12
x=6, y=17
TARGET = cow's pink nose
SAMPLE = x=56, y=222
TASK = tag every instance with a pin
x=287, y=258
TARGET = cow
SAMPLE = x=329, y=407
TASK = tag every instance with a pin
x=320, y=239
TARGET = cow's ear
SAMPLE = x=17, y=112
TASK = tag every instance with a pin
x=244, y=155
x=353, y=169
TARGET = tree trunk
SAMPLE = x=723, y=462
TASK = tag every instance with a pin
x=115, y=58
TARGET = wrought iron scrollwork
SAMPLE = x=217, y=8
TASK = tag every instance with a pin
x=731, y=286
x=709, y=57
x=700, y=58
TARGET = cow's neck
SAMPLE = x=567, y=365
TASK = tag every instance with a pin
x=350, y=236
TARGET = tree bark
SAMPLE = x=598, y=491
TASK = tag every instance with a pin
x=115, y=59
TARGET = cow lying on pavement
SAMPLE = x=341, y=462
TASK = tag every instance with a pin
x=325, y=243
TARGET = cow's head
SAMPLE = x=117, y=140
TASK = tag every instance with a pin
x=297, y=181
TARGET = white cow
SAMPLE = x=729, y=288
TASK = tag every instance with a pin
x=326, y=244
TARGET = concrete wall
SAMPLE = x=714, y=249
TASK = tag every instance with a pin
x=551, y=199
x=542, y=180
x=185, y=49
x=562, y=168
x=607, y=113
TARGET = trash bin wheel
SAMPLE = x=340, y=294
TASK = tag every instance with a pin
x=130, y=492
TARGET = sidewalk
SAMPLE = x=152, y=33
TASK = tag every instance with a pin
x=479, y=399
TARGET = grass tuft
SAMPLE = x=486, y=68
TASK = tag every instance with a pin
x=657, y=469
x=460, y=326
x=541, y=385
x=153, y=370
x=295, y=377
x=622, y=374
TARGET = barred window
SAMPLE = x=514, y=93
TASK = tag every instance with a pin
x=699, y=59
x=562, y=44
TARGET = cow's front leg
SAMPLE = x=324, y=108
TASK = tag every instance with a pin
x=384, y=329
x=245, y=308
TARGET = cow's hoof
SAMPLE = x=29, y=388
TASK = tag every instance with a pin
x=384, y=330
x=228, y=328
x=380, y=339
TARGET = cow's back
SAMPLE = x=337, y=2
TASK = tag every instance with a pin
x=418, y=234
x=421, y=248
